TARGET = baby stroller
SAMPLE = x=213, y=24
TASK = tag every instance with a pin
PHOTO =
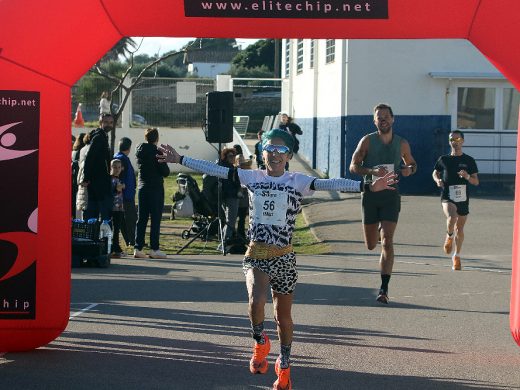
x=189, y=201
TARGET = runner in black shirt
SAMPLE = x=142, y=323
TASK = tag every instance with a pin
x=452, y=173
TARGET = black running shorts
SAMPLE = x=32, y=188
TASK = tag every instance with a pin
x=380, y=206
x=462, y=207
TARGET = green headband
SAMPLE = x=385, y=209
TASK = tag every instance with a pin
x=279, y=133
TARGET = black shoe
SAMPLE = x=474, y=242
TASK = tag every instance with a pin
x=382, y=297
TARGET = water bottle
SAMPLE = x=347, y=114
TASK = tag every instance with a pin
x=106, y=231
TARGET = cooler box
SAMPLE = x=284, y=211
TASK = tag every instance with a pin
x=87, y=248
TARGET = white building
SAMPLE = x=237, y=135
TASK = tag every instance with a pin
x=331, y=86
x=209, y=63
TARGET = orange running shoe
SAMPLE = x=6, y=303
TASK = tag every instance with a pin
x=258, y=363
x=284, y=377
x=456, y=263
x=448, y=245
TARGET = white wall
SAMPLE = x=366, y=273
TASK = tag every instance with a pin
x=329, y=85
x=397, y=72
x=204, y=69
x=188, y=141
x=303, y=86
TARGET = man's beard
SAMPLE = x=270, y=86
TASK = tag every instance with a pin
x=385, y=130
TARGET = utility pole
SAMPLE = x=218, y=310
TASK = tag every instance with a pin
x=277, y=58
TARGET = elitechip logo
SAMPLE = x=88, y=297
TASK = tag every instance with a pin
x=19, y=137
x=309, y=9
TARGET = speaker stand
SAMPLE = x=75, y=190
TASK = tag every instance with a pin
x=219, y=208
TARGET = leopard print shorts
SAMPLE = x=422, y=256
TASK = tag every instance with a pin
x=281, y=271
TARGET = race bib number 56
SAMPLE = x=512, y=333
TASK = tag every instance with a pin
x=270, y=207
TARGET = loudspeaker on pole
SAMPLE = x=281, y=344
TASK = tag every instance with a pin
x=219, y=116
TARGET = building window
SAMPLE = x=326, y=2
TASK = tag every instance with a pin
x=330, y=50
x=476, y=108
x=311, y=56
x=287, y=57
x=511, y=100
x=299, y=58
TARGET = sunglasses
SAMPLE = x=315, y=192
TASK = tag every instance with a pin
x=456, y=139
x=280, y=149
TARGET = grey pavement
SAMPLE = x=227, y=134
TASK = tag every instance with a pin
x=182, y=323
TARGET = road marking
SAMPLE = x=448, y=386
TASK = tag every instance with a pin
x=429, y=264
x=78, y=313
x=466, y=267
x=324, y=273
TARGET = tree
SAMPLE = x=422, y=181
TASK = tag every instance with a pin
x=260, y=53
x=135, y=68
x=257, y=72
x=121, y=64
x=121, y=48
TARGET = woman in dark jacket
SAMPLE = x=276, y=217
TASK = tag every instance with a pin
x=288, y=125
x=230, y=190
x=150, y=195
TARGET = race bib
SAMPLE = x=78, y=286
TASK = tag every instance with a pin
x=270, y=207
x=389, y=168
x=458, y=193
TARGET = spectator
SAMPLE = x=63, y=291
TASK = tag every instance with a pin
x=127, y=177
x=76, y=148
x=243, y=197
x=82, y=194
x=229, y=197
x=150, y=195
x=117, y=207
x=288, y=124
x=240, y=160
x=96, y=175
x=258, y=151
x=104, y=103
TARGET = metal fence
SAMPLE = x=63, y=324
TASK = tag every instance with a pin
x=163, y=102
x=157, y=100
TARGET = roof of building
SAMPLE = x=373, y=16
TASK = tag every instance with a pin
x=209, y=56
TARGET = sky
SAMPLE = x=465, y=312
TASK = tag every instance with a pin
x=152, y=45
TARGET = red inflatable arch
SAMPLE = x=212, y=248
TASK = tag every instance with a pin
x=46, y=46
